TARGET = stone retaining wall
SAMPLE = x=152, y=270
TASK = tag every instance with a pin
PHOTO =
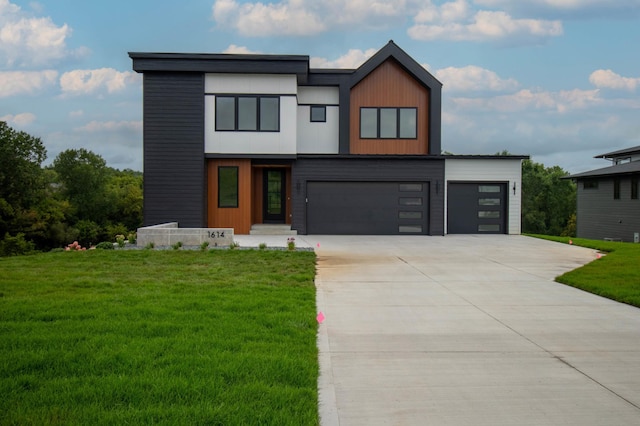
x=167, y=234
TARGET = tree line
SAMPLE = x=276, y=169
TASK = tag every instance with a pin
x=79, y=198
x=76, y=198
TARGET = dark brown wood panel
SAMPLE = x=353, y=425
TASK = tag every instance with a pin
x=389, y=85
x=237, y=218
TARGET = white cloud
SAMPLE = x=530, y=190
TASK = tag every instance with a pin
x=608, y=79
x=602, y=7
x=85, y=82
x=239, y=50
x=482, y=26
x=527, y=100
x=28, y=41
x=19, y=119
x=77, y=113
x=473, y=78
x=259, y=19
x=309, y=17
x=352, y=59
x=110, y=126
x=25, y=82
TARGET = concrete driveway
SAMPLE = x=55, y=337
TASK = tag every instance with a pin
x=469, y=330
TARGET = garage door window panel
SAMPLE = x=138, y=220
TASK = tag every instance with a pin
x=489, y=201
x=489, y=214
x=410, y=201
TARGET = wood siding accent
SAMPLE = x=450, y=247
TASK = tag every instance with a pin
x=369, y=170
x=599, y=216
x=237, y=218
x=389, y=86
x=174, y=163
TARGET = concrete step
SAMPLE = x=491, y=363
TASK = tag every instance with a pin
x=272, y=229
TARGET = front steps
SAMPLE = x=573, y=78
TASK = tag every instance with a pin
x=272, y=229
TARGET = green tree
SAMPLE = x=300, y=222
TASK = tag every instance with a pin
x=125, y=189
x=21, y=179
x=83, y=177
x=548, y=201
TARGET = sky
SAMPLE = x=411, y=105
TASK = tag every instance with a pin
x=558, y=80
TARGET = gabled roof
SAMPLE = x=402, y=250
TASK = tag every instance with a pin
x=620, y=153
x=391, y=50
x=620, y=169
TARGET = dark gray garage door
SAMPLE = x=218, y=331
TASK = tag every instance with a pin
x=367, y=208
x=477, y=208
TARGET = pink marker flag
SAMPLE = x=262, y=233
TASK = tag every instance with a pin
x=318, y=245
x=599, y=255
x=320, y=317
x=570, y=241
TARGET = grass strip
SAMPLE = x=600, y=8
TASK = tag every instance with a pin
x=158, y=337
x=615, y=276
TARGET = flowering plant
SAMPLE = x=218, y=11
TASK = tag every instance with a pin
x=291, y=243
x=74, y=246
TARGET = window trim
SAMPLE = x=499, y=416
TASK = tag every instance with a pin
x=398, y=122
x=237, y=203
x=323, y=108
x=236, y=109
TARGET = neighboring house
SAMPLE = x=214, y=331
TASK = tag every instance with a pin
x=608, y=204
x=239, y=140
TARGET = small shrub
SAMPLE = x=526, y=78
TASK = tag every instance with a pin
x=177, y=245
x=132, y=237
x=291, y=243
x=105, y=245
x=234, y=245
x=204, y=245
x=150, y=245
x=120, y=240
x=15, y=246
x=262, y=246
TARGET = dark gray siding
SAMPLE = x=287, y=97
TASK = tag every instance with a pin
x=174, y=164
x=600, y=216
x=368, y=169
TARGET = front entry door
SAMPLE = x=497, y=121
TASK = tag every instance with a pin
x=274, y=196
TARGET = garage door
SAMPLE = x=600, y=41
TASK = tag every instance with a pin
x=367, y=208
x=477, y=208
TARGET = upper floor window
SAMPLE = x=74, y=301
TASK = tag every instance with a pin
x=616, y=188
x=388, y=123
x=248, y=113
x=590, y=184
x=634, y=188
x=318, y=113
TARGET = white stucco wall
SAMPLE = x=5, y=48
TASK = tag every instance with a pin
x=490, y=170
x=282, y=142
x=318, y=138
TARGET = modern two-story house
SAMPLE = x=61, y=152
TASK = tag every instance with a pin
x=240, y=140
x=608, y=204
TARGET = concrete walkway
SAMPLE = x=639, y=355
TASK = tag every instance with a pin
x=469, y=330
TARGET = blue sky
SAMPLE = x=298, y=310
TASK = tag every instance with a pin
x=555, y=79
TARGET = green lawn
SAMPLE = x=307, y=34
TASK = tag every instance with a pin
x=615, y=276
x=145, y=337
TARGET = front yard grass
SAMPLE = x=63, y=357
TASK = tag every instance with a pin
x=615, y=276
x=158, y=337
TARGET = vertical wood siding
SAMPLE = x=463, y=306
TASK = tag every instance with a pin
x=238, y=218
x=174, y=164
x=369, y=170
x=389, y=86
x=600, y=216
